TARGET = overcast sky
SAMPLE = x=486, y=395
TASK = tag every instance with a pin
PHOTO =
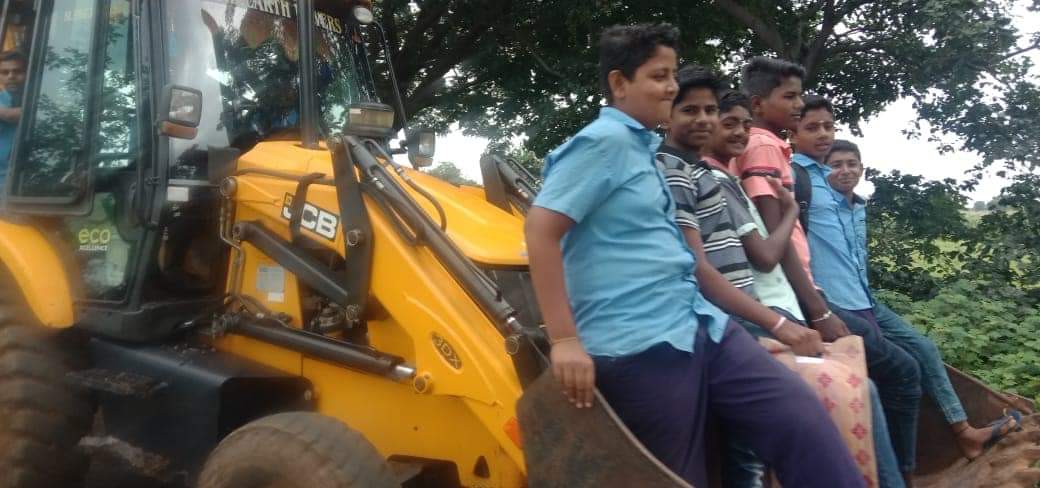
x=883, y=144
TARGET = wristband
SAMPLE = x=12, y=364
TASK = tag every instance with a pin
x=779, y=323
x=823, y=317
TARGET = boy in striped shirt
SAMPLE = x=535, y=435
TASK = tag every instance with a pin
x=710, y=212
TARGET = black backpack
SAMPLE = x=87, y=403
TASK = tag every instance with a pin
x=802, y=189
x=802, y=194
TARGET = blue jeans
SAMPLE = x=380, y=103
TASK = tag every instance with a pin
x=934, y=380
x=887, y=465
x=898, y=380
x=741, y=468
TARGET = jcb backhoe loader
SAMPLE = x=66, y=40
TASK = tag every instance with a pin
x=209, y=253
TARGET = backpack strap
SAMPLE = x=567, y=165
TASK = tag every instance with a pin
x=802, y=193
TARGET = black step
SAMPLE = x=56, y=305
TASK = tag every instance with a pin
x=119, y=383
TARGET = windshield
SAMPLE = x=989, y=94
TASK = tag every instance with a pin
x=243, y=55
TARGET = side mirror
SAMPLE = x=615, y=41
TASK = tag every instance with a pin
x=422, y=143
x=180, y=112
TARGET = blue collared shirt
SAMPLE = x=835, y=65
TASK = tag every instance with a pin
x=839, y=260
x=628, y=272
x=6, y=137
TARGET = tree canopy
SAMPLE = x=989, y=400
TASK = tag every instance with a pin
x=501, y=68
x=447, y=171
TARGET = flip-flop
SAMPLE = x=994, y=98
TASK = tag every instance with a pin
x=997, y=426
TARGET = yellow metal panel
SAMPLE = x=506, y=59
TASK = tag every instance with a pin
x=401, y=422
x=417, y=311
x=469, y=217
x=468, y=213
x=39, y=272
x=410, y=284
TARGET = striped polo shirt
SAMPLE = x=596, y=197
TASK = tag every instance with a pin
x=701, y=204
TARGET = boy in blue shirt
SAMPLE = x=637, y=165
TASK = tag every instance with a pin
x=834, y=268
x=614, y=280
x=846, y=169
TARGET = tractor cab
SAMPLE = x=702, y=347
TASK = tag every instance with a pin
x=134, y=112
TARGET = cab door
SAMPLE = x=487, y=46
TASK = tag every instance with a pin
x=81, y=143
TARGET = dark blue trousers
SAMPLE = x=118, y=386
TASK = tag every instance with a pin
x=665, y=397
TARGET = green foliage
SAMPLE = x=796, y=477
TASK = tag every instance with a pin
x=501, y=68
x=988, y=332
x=920, y=240
x=974, y=287
x=447, y=171
x=1005, y=243
x=908, y=217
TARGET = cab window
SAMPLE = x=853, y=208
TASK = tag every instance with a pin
x=50, y=157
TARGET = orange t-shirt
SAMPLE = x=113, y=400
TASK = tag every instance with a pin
x=768, y=155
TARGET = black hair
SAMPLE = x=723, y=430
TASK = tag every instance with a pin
x=845, y=146
x=731, y=99
x=695, y=76
x=13, y=56
x=761, y=75
x=627, y=47
x=816, y=102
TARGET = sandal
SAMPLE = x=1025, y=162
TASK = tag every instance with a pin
x=997, y=426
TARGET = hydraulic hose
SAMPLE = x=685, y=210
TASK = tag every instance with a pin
x=411, y=183
x=525, y=356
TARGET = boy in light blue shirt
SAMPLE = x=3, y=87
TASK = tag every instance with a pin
x=846, y=170
x=622, y=309
x=836, y=268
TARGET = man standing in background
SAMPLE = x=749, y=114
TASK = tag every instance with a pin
x=12, y=79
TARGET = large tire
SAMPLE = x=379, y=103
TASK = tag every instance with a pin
x=13, y=310
x=295, y=450
x=42, y=417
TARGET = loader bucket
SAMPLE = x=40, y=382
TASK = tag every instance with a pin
x=1008, y=464
x=566, y=446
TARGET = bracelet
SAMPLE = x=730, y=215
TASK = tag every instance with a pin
x=822, y=317
x=779, y=323
x=553, y=342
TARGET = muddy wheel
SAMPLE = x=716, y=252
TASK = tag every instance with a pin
x=42, y=417
x=297, y=450
x=13, y=310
